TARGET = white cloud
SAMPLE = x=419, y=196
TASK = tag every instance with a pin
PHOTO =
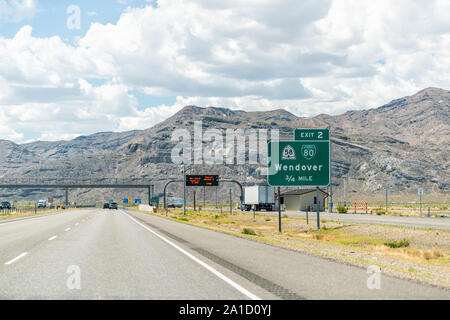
x=310, y=57
x=17, y=10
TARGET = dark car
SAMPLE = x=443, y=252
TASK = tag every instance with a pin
x=5, y=205
x=113, y=205
x=106, y=205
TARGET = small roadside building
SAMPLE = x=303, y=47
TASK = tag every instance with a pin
x=303, y=200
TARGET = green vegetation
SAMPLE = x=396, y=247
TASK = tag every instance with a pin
x=379, y=211
x=397, y=244
x=342, y=209
x=249, y=231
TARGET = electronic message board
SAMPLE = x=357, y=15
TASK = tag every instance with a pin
x=202, y=180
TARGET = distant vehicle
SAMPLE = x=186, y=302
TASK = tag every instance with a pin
x=42, y=203
x=113, y=205
x=259, y=198
x=174, y=202
x=5, y=205
x=106, y=205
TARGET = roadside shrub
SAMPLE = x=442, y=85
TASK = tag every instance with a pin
x=341, y=209
x=379, y=211
x=249, y=231
x=268, y=219
x=397, y=244
x=428, y=255
x=437, y=253
x=183, y=219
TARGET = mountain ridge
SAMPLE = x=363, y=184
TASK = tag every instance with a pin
x=398, y=145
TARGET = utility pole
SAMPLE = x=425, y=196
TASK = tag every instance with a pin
x=204, y=197
x=386, y=195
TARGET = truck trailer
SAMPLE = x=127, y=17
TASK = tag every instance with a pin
x=259, y=198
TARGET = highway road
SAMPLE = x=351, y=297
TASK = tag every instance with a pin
x=117, y=254
x=412, y=222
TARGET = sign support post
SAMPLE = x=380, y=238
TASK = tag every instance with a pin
x=194, y=201
x=302, y=162
x=420, y=191
x=318, y=207
x=420, y=204
x=184, y=189
x=231, y=203
x=279, y=210
x=386, y=195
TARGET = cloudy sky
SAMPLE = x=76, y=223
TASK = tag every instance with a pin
x=78, y=67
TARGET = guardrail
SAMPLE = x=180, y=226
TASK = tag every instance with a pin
x=23, y=210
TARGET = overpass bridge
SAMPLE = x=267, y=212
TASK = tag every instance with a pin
x=67, y=186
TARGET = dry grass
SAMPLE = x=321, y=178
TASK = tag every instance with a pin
x=366, y=237
x=408, y=253
x=427, y=257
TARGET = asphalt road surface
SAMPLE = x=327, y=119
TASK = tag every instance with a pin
x=115, y=254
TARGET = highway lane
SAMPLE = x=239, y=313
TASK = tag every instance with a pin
x=117, y=259
x=25, y=233
x=124, y=254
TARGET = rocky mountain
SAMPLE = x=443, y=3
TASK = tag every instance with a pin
x=401, y=145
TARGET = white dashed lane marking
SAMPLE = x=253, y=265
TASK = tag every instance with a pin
x=20, y=256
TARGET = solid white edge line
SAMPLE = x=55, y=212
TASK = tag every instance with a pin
x=203, y=264
x=20, y=256
x=52, y=238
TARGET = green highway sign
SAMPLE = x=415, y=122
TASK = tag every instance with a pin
x=312, y=134
x=299, y=163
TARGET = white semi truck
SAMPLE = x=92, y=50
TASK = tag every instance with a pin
x=259, y=198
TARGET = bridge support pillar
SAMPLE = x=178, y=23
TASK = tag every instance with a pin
x=66, y=202
x=149, y=195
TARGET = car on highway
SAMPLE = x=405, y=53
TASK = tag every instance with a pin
x=5, y=205
x=42, y=204
x=106, y=205
x=174, y=202
x=113, y=205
